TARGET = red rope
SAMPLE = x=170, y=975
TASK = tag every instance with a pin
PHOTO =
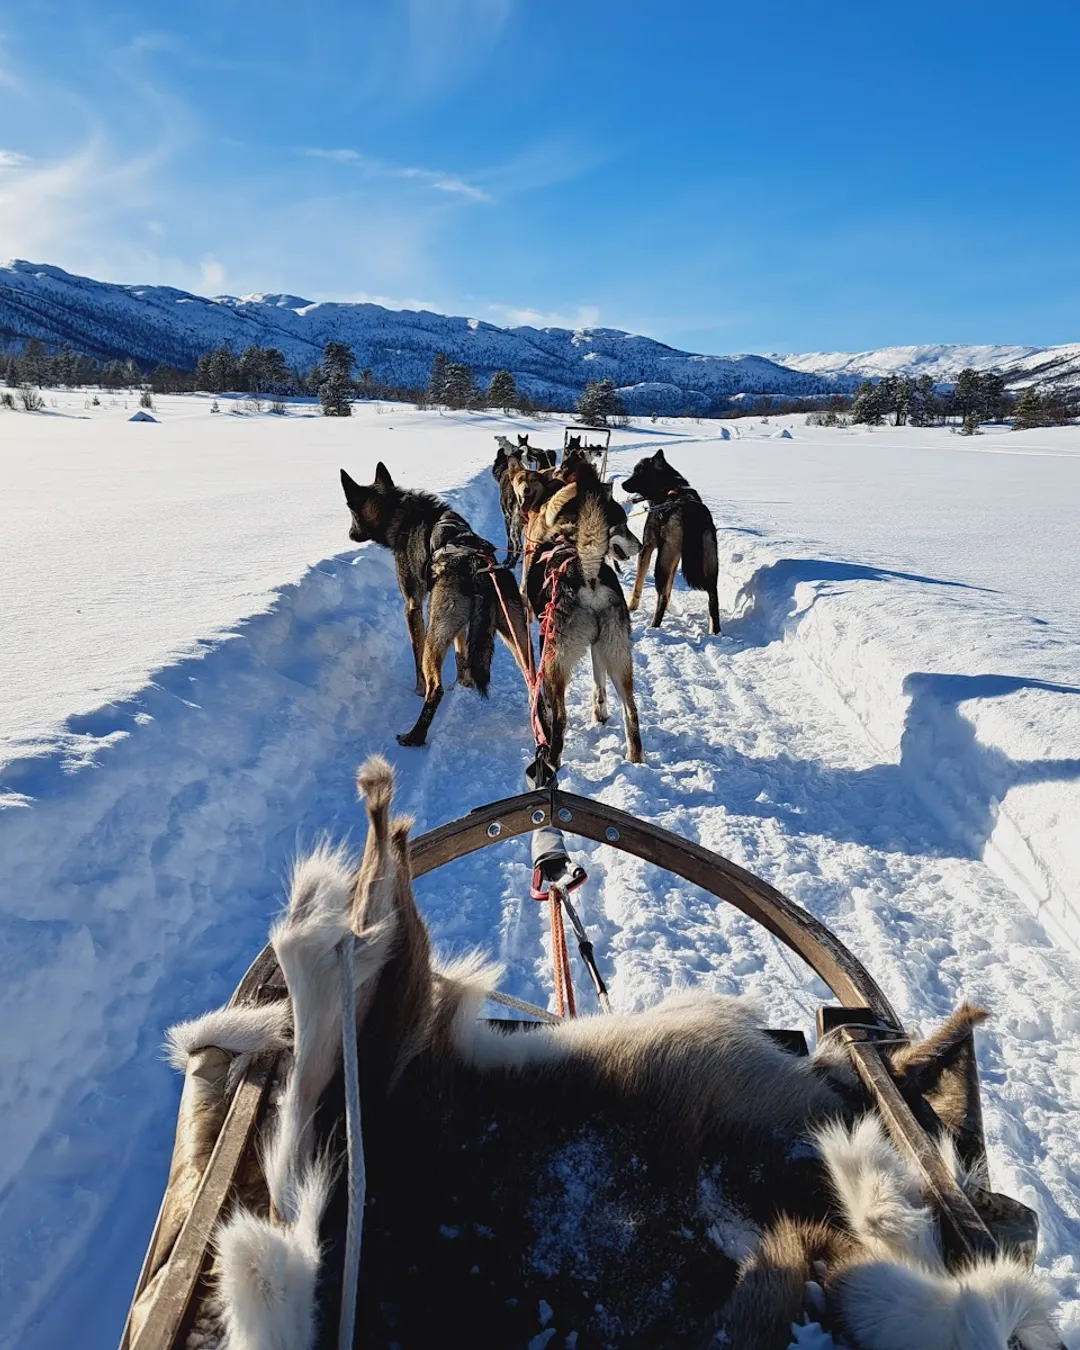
x=565, y=1005
x=534, y=679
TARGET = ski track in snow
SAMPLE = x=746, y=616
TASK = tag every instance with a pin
x=212, y=778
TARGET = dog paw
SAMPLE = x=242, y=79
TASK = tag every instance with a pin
x=410, y=738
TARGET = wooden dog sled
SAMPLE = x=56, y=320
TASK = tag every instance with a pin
x=214, y=1163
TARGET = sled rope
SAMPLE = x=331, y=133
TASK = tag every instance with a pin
x=565, y=1005
x=519, y=1005
x=354, y=1145
x=534, y=679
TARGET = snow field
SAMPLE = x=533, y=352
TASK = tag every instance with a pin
x=874, y=744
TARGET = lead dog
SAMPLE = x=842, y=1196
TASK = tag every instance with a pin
x=679, y=525
x=437, y=554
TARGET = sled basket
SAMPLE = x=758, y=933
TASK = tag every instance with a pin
x=207, y=1174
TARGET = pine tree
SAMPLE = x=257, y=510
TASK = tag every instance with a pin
x=336, y=388
x=276, y=375
x=968, y=392
x=221, y=370
x=993, y=401
x=867, y=407
x=1030, y=410
x=32, y=364
x=922, y=403
x=598, y=402
x=66, y=367
x=437, y=382
x=970, y=424
x=251, y=370
x=905, y=396
x=502, y=392
x=460, y=389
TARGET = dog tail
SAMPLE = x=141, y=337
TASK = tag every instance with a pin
x=592, y=534
x=480, y=635
x=700, y=566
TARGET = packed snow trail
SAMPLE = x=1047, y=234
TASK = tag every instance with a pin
x=147, y=883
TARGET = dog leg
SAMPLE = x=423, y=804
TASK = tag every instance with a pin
x=517, y=638
x=414, y=617
x=461, y=654
x=644, y=558
x=667, y=564
x=600, y=703
x=714, y=610
x=447, y=619
x=433, y=694
x=622, y=673
x=555, y=683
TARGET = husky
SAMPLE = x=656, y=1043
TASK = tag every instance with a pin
x=567, y=539
x=574, y=447
x=438, y=554
x=679, y=525
x=537, y=458
x=508, y=462
x=658, y=1180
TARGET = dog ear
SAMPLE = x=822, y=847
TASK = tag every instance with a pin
x=658, y=458
x=382, y=476
x=353, y=491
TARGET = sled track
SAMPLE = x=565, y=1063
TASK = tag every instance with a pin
x=220, y=770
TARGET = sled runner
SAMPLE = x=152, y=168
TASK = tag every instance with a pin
x=222, y=1127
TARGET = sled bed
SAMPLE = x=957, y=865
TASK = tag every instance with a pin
x=208, y=1173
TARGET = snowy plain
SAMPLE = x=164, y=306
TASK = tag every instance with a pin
x=195, y=661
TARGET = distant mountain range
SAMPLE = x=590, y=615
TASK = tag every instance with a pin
x=160, y=324
x=1020, y=365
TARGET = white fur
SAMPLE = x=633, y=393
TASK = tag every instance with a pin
x=238, y=1031
x=880, y=1195
x=469, y=980
x=306, y=943
x=898, y=1295
x=741, y=1075
x=268, y=1275
x=887, y=1306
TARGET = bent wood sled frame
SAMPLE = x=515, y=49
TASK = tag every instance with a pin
x=179, y=1250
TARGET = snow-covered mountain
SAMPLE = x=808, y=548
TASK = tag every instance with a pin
x=1020, y=365
x=159, y=323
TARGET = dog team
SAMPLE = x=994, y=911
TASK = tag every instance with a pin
x=572, y=536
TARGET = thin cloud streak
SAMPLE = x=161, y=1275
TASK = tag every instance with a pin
x=509, y=316
x=377, y=168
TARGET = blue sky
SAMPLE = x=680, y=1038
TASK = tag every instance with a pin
x=782, y=175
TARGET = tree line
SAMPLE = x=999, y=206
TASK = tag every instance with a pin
x=975, y=397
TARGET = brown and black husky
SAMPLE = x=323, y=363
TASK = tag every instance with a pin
x=509, y=462
x=437, y=554
x=679, y=525
x=567, y=539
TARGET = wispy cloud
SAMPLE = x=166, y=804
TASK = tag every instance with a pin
x=11, y=159
x=377, y=168
x=586, y=316
x=387, y=301
x=448, y=37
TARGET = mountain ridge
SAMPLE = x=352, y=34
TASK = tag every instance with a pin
x=164, y=324
x=174, y=327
